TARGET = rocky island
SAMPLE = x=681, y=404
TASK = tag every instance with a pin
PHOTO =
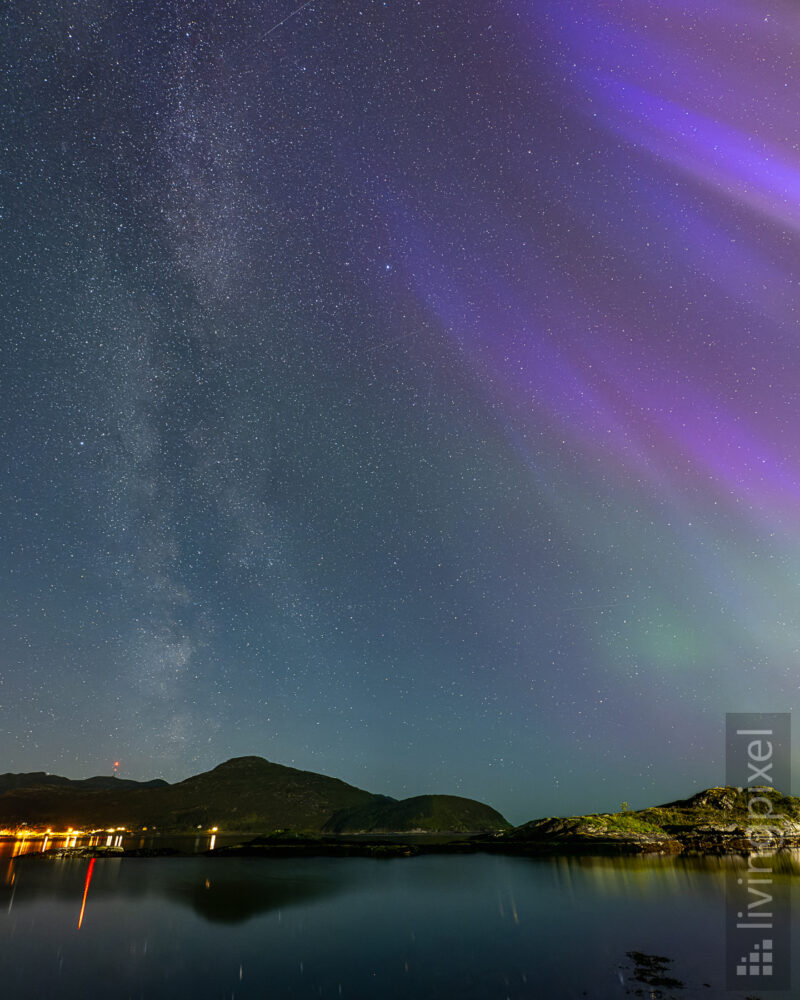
x=714, y=821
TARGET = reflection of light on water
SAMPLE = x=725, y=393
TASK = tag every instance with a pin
x=41, y=841
x=86, y=891
x=11, y=879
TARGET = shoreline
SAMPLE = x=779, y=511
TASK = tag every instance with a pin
x=400, y=847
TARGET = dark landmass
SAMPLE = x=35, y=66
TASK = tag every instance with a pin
x=297, y=844
x=246, y=794
x=41, y=779
x=421, y=814
x=714, y=821
x=300, y=813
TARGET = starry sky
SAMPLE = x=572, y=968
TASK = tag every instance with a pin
x=399, y=389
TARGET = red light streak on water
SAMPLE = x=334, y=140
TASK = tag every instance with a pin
x=86, y=890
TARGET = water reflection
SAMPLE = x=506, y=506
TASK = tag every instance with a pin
x=222, y=899
x=89, y=873
x=213, y=888
x=475, y=927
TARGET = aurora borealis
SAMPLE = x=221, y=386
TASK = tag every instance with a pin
x=400, y=391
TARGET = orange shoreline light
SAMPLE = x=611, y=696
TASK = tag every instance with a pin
x=39, y=833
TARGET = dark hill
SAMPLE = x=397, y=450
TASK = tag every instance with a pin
x=249, y=793
x=427, y=813
x=241, y=795
x=246, y=793
x=40, y=779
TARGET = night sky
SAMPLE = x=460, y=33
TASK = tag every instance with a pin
x=407, y=391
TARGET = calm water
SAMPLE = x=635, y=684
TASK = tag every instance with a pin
x=431, y=927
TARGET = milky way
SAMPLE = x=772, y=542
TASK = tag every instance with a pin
x=404, y=391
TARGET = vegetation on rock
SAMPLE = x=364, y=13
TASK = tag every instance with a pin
x=717, y=820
